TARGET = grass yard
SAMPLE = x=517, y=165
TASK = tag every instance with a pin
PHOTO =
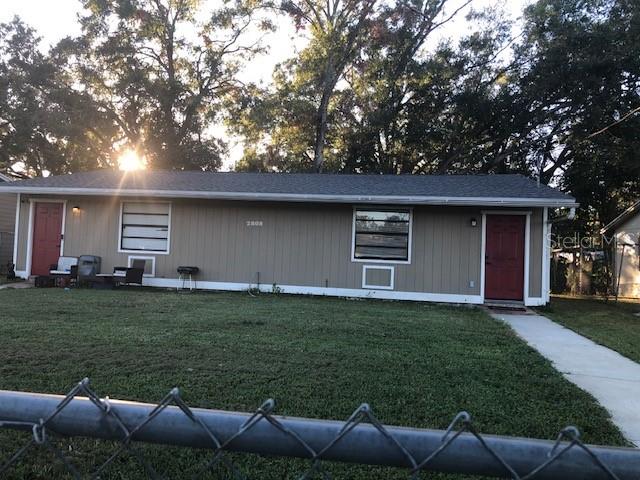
x=612, y=324
x=416, y=364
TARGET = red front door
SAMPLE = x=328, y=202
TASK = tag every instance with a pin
x=47, y=228
x=504, y=260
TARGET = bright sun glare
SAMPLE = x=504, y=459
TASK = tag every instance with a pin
x=130, y=161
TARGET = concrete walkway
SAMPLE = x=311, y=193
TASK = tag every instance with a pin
x=612, y=379
x=18, y=285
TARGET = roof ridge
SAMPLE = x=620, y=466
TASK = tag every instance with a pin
x=338, y=187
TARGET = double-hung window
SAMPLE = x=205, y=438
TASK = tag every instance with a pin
x=382, y=234
x=145, y=227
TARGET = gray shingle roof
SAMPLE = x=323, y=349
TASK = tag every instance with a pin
x=434, y=189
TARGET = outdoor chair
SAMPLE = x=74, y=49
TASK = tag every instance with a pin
x=63, y=267
x=129, y=275
x=64, y=272
x=88, y=269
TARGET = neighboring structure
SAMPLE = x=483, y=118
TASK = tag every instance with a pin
x=625, y=232
x=450, y=238
x=7, y=225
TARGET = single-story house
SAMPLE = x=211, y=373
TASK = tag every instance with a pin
x=448, y=238
x=624, y=235
x=7, y=225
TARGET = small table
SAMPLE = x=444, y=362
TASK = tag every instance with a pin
x=183, y=273
x=102, y=280
x=61, y=278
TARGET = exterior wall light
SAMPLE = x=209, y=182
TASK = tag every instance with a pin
x=474, y=222
x=75, y=210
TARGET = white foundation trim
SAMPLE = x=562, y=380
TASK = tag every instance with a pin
x=331, y=292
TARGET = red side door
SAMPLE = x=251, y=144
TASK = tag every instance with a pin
x=504, y=260
x=47, y=236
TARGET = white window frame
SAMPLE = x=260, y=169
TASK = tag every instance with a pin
x=383, y=209
x=143, y=252
x=142, y=257
x=391, y=268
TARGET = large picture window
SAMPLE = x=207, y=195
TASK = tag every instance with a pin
x=145, y=227
x=382, y=234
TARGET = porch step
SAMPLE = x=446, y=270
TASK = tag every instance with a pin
x=507, y=307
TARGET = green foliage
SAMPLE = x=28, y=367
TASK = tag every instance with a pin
x=143, y=75
x=396, y=108
x=44, y=123
x=578, y=74
x=337, y=31
x=161, y=75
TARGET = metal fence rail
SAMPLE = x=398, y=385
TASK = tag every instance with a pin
x=361, y=439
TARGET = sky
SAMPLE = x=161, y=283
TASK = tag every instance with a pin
x=56, y=19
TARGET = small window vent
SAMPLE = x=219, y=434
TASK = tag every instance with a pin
x=378, y=277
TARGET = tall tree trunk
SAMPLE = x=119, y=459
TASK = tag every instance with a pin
x=321, y=130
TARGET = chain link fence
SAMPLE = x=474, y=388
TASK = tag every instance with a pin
x=362, y=439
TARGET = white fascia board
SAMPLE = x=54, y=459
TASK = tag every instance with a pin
x=291, y=197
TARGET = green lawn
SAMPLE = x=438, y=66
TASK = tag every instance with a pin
x=612, y=324
x=416, y=364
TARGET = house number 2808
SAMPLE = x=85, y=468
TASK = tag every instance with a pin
x=254, y=223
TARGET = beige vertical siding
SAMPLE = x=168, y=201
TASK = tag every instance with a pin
x=629, y=233
x=296, y=244
x=7, y=221
x=7, y=212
